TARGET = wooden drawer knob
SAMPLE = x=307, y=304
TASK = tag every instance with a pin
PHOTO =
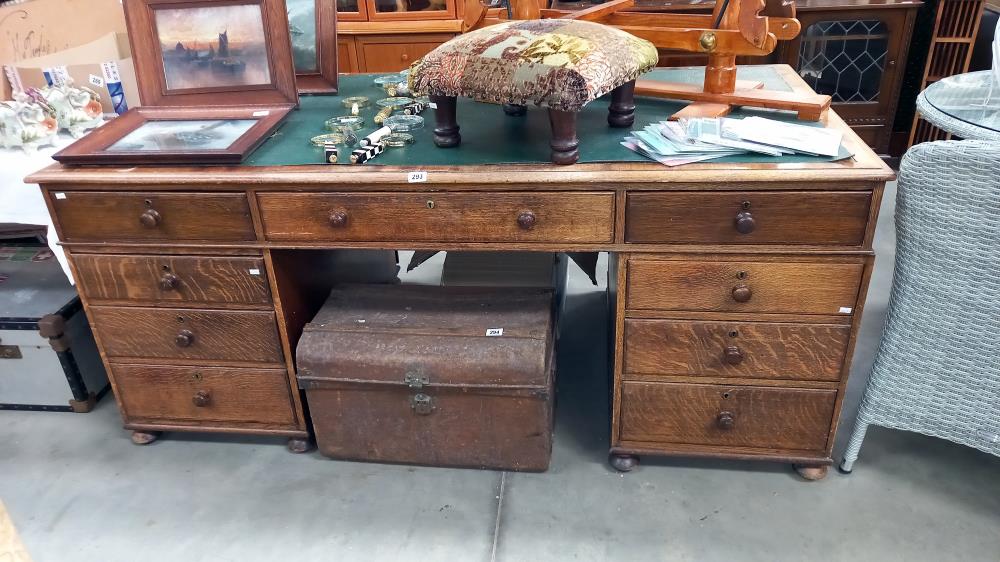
x=201, y=399
x=169, y=282
x=725, y=420
x=733, y=355
x=742, y=293
x=184, y=338
x=526, y=220
x=150, y=218
x=744, y=222
x=338, y=219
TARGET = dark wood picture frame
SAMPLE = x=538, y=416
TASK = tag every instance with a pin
x=92, y=149
x=147, y=56
x=324, y=79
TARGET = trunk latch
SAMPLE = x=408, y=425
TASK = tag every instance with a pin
x=422, y=404
x=415, y=381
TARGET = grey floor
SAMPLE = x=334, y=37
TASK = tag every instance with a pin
x=78, y=490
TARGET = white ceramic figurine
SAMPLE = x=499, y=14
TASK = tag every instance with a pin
x=26, y=124
x=77, y=110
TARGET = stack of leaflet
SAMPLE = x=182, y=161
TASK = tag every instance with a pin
x=673, y=143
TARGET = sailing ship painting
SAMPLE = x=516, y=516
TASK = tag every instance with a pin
x=302, y=30
x=211, y=47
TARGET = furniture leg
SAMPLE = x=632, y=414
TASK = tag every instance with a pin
x=145, y=437
x=854, y=446
x=445, y=124
x=564, y=142
x=623, y=463
x=299, y=445
x=810, y=472
x=621, y=112
x=514, y=110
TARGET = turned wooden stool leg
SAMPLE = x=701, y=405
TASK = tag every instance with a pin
x=514, y=110
x=621, y=112
x=564, y=141
x=145, y=437
x=445, y=125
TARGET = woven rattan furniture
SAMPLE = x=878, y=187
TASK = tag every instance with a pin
x=937, y=371
x=965, y=105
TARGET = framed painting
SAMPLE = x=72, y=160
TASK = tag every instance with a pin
x=312, y=26
x=211, y=52
x=181, y=135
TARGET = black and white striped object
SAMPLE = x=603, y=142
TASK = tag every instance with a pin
x=414, y=108
x=330, y=153
x=362, y=155
x=375, y=136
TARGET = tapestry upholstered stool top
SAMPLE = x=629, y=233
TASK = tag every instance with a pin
x=561, y=65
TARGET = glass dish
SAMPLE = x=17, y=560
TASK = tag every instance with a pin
x=404, y=123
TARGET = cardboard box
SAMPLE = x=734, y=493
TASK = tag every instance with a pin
x=42, y=27
x=87, y=65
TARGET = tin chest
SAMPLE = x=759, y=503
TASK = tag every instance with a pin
x=442, y=376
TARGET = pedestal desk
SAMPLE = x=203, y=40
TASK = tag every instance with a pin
x=736, y=287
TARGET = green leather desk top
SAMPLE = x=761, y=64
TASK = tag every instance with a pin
x=491, y=137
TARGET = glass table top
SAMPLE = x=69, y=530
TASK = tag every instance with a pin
x=973, y=98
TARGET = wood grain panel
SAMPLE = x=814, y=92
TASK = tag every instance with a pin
x=111, y=216
x=245, y=336
x=180, y=279
x=756, y=349
x=393, y=53
x=153, y=393
x=788, y=287
x=773, y=418
x=834, y=218
x=439, y=217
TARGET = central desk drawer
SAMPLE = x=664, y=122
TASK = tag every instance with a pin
x=735, y=349
x=178, y=279
x=743, y=286
x=736, y=416
x=113, y=216
x=733, y=217
x=439, y=217
x=182, y=333
x=158, y=394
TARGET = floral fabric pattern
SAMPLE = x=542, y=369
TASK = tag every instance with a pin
x=553, y=63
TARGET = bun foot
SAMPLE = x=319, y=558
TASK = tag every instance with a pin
x=624, y=463
x=811, y=473
x=145, y=437
x=298, y=445
x=514, y=110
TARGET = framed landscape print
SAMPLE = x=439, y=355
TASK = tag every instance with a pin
x=312, y=25
x=211, y=52
x=219, y=135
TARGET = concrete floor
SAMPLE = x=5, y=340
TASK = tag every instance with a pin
x=78, y=490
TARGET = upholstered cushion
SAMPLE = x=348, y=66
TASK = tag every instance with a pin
x=554, y=63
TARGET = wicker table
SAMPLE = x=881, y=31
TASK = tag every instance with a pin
x=964, y=105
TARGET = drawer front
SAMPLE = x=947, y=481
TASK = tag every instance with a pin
x=735, y=349
x=158, y=394
x=109, y=216
x=235, y=280
x=395, y=56
x=182, y=333
x=736, y=416
x=441, y=217
x=819, y=218
x=737, y=286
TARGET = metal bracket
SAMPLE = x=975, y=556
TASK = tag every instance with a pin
x=422, y=404
x=416, y=381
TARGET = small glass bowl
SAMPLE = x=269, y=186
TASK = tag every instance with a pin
x=395, y=102
x=361, y=101
x=355, y=122
x=328, y=138
x=403, y=123
x=397, y=140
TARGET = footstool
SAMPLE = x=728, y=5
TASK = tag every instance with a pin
x=558, y=64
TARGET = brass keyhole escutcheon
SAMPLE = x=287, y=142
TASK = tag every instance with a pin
x=734, y=333
x=430, y=204
x=741, y=275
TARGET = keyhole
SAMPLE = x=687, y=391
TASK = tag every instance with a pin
x=746, y=205
x=430, y=204
x=726, y=395
x=196, y=376
x=180, y=319
x=166, y=268
x=741, y=274
x=148, y=203
x=734, y=334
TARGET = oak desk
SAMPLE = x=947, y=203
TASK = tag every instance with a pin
x=737, y=288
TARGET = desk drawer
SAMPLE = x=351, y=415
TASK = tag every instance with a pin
x=158, y=394
x=439, y=217
x=176, y=279
x=182, y=333
x=736, y=416
x=735, y=349
x=113, y=216
x=732, y=217
x=743, y=286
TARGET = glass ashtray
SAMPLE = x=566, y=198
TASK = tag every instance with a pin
x=329, y=138
x=394, y=102
x=389, y=79
x=397, y=140
x=403, y=123
x=355, y=122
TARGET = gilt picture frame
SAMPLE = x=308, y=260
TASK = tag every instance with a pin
x=191, y=53
x=312, y=27
x=177, y=135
